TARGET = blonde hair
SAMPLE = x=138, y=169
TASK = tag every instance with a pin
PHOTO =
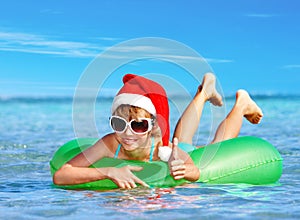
x=130, y=112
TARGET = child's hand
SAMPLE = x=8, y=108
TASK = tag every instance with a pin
x=124, y=178
x=176, y=165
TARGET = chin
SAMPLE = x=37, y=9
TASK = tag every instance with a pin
x=130, y=147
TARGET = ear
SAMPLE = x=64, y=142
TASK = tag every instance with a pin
x=155, y=128
x=153, y=120
x=155, y=131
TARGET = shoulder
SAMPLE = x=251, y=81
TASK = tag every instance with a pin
x=109, y=139
x=107, y=144
x=105, y=147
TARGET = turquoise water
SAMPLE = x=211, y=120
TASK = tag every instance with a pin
x=31, y=130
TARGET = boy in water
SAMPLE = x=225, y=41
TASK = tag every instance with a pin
x=140, y=120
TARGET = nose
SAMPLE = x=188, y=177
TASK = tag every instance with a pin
x=128, y=131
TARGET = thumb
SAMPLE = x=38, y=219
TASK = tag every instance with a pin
x=175, y=148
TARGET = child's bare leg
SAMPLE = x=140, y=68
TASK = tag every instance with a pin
x=244, y=107
x=190, y=119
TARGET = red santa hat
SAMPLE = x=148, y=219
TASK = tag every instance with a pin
x=149, y=95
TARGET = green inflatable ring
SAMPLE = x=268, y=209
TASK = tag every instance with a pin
x=249, y=160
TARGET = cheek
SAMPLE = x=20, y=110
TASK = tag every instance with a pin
x=143, y=139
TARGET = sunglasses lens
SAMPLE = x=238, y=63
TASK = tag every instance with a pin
x=118, y=124
x=140, y=126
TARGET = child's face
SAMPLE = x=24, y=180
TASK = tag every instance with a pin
x=131, y=140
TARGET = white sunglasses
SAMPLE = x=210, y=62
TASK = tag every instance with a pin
x=137, y=126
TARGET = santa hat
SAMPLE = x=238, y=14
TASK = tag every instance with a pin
x=149, y=95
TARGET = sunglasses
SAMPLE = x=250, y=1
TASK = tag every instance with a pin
x=137, y=126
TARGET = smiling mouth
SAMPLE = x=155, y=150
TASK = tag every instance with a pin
x=129, y=141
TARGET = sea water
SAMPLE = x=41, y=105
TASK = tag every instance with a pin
x=32, y=129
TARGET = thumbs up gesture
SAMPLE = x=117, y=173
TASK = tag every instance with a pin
x=176, y=165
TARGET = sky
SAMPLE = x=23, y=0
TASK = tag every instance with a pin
x=46, y=46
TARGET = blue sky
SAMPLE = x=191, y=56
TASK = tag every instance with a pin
x=45, y=46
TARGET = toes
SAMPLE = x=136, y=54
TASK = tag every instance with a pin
x=254, y=118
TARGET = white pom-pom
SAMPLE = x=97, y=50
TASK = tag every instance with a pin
x=164, y=153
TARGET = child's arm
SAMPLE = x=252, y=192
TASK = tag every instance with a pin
x=122, y=177
x=181, y=165
x=77, y=170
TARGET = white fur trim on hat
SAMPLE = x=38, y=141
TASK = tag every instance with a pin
x=135, y=100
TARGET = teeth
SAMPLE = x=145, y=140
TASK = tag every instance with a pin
x=129, y=140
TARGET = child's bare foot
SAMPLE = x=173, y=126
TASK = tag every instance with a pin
x=208, y=86
x=251, y=110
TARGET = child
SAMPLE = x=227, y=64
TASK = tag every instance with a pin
x=140, y=120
